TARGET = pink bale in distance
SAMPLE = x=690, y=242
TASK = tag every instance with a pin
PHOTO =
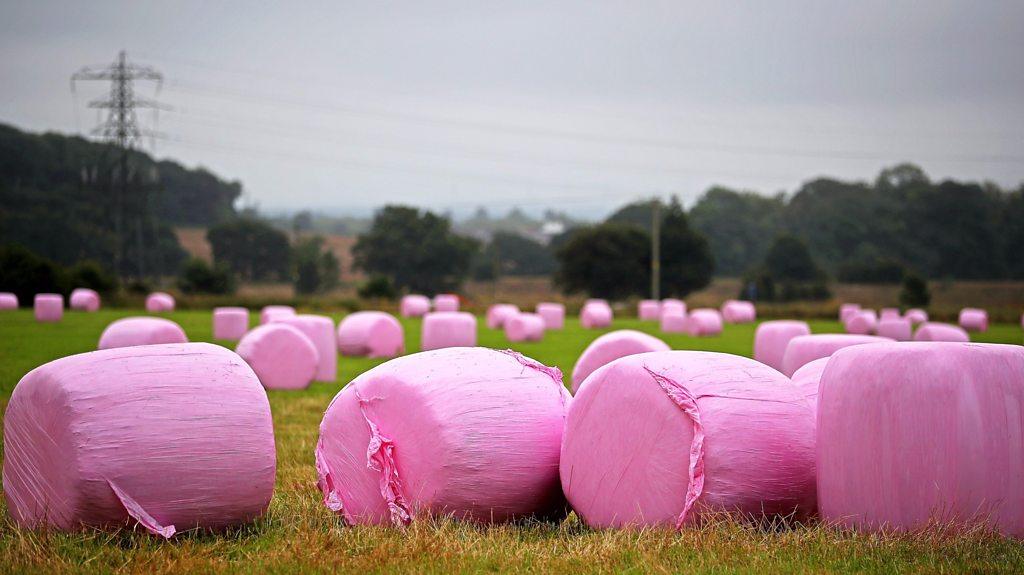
x=916, y=316
x=612, y=346
x=524, y=327
x=864, y=322
x=648, y=310
x=772, y=337
x=271, y=313
x=897, y=328
x=808, y=378
x=553, y=315
x=889, y=313
x=159, y=302
x=704, y=322
x=673, y=322
x=735, y=311
x=172, y=437
x=469, y=432
x=935, y=331
x=370, y=334
x=448, y=329
x=498, y=313
x=49, y=307
x=135, y=331
x=847, y=310
x=84, y=299
x=596, y=314
x=281, y=356
x=911, y=433
x=660, y=439
x=8, y=301
x=446, y=302
x=673, y=307
x=320, y=330
x=804, y=349
x=414, y=305
x=974, y=319
x=230, y=322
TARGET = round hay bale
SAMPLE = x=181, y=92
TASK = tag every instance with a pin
x=804, y=349
x=84, y=299
x=735, y=311
x=808, y=378
x=159, y=302
x=897, y=328
x=915, y=433
x=49, y=307
x=320, y=330
x=171, y=437
x=8, y=301
x=553, y=315
x=660, y=439
x=772, y=337
x=414, y=305
x=498, y=313
x=704, y=322
x=230, y=322
x=916, y=316
x=596, y=314
x=974, y=319
x=274, y=312
x=673, y=307
x=281, y=356
x=648, y=310
x=446, y=302
x=889, y=313
x=864, y=322
x=135, y=331
x=611, y=346
x=468, y=432
x=848, y=310
x=673, y=322
x=935, y=331
x=448, y=329
x=371, y=334
x=524, y=327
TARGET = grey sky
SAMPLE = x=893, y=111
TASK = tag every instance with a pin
x=572, y=105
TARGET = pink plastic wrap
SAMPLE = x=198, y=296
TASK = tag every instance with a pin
x=553, y=315
x=772, y=337
x=282, y=356
x=371, y=334
x=663, y=438
x=320, y=330
x=848, y=310
x=889, y=313
x=414, y=305
x=48, y=307
x=864, y=322
x=84, y=299
x=911, y=433
x=470, y=432
x=159, y=302
x=448, y=329
x=446, y=302
x=703, y=322
x=916, y=316
x=673, y=307
x=611, y=346
x=274, y=312
x=498, y=313
x=230, y=322
x=804, y=349
x=973, y=319
x=649, y=310
x=524, y=327
x=8, y=301
x=168, y=437
x=673, y=322
x=808, y=378
x=596, y=314
x=735, y=311
x=934, y=331
x=133, y=331
x=897, y=328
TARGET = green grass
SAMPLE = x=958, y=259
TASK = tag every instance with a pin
x=300, y=535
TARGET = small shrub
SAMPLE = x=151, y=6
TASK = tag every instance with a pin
x=915, y=292
x=377, y=287
x=197, y=276
x=26, y=274
x=90, y=274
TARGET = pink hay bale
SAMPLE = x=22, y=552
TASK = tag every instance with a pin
x=159, y=302
x=448, y=329
x=446, y=302
x=274, y=312
x=673, y=322
x=648, y=310
x=848, y=310
x=281, y=355
x=935, y=331
x=371, y=334
x=172, y=437
x=553, y=315
x=414, y=305
x=230, y=322
x=498, y=313
x=660, y=439
x=735, y=311
x=808, y=378
x=974, y=319
x=897, y=328
x=673, y=307
x=320, y=330
x=596, y=314
x=916, y=316
x=704, y=322
x=84, y=299
x=912, y=433
x=772, y=337
x=889, y=313
x=804, y=349
x=8, y=301
x=49, y=307
x=864, y=322
x=524, y=327
x=612, y=346
x=135, y=331
x=470, y=432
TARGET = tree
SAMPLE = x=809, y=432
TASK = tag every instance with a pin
x=686, y=262
x=608, y=261
x=250, y=248
x=197, y=276
x=736, y=225
x=787, y=273
x=914, y=292
x=639, y=214
x=513, y=255
x=316, y=268
x=26, y=274
x=416, y=251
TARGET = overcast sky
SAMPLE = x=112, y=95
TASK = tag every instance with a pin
x=577, y=106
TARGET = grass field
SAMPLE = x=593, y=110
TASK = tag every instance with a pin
x=300, y=535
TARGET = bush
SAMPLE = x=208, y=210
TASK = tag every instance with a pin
x=788, y=273
x=26, y=274
x=378, y=287
x=90, y=274
x=915, y=292
x=609, y=261
x=197, y=276
x=873, y=271
x=316, y=268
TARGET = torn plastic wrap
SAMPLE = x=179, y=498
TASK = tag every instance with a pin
x=659, y=439
x=8, y=301
x=935, y=331
x=649, y=310
x=281, y=355
x=132, y=331
x=914, y=433
x=804, y=349
x=320, y=330
x=611, y=346
x=442, y=329
x=84, y=299
x=524, y=327
x=446, y=302
x=414, y=305
x=973, y=319
x=498, y=313
x=553, y=315
x=772, y=337
x=370, y=334
x=169, y=437
x=271, y=313
x=48, y=307
x=596, y=314
x=230, y=322
x=159, y=302
x=470, y=432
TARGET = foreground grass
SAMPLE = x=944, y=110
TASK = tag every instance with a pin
x=300, y=535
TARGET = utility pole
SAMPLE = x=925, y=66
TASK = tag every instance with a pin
x=656, y=249
x=122, y=130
